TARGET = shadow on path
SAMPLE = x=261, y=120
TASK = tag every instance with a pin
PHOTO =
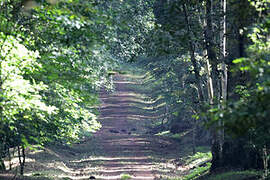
x=121, y=147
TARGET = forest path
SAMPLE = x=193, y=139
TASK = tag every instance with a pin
x=125, y=148
x=122, y=149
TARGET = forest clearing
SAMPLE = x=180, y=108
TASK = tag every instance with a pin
x=134, y=89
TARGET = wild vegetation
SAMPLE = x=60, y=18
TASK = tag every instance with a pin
x=204, y=67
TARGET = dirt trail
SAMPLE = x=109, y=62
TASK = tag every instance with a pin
x=129, y=150
x=122, y=148
x=122, y=137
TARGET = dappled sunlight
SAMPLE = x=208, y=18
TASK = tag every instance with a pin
x=133, y=76
x=103, y=158
x=119, y=177
x=134, y=116
x=36, y=151
x=15, y=162
x=127, y=168
x=126, y=82
x=121, y=147
x=124, y=97
x=115, y=109
x=136, y=89
x=106, y=118
x=130, y=153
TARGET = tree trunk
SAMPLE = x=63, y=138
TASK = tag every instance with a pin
x=211, y=54
x=197, y=76
x=241, y=44
x=192, y=56
x=9, y=159
x=223, y=70
x=2, y=165
x=21, y=155
x=213, y=79
x=194, y=132
x=224, y=75
x=265, y=158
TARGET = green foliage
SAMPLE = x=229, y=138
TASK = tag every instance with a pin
x=198, y=164
x=167, y=58
x=125, y=176
x=199, y=155
x=56, y=55
x=249, y=114
x=54, y=59
x=195, y=161
x=22, y=106
x=197, y=172
x=236, y=175
x=172, y=82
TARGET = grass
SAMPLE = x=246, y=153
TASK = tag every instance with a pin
x=162, y=133
x=199, y=156
x=201, y=173
x=179, y=136
x=26, y=177
x=66, y=178
x=129, y=69
x=198, y=164
x=125, y=176
x=197, y=172
x=203, y=149
x=235, y=175
x=122, y=72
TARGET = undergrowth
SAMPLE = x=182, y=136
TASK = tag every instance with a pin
x=235, y=175
x=125, y=176
x=197, y=172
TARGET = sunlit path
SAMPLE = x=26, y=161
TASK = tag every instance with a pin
x=122, y=148
x=134, y=89
x=121, y=135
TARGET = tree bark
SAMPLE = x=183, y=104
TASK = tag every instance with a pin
x=192, y=57
x=2, y=165
x=223, y=70
x=265, y=158
x=197, y=75
x=213, y=79
x=21, y=155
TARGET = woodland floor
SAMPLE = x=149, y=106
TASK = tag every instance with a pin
x=123, y=146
